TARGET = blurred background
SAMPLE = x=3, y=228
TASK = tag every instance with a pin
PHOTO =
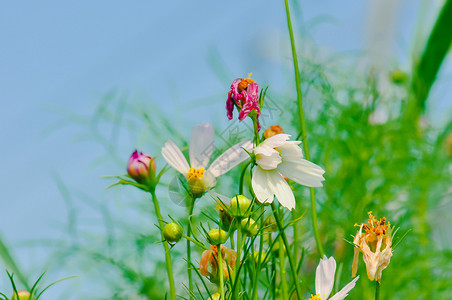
x=74, y=75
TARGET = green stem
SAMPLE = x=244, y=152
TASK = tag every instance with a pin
x=190, y=276
x=195, y=242
x=259, y=261
x=242, y=177
x=237, y=263
x=377, y=290
x=220, y=270
x=293, y=268
x=303, y=126
x=282, y=272
x=169, y=267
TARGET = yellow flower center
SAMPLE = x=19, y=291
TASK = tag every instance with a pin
x=315, y=297
x=194, y=174
x=245, y=82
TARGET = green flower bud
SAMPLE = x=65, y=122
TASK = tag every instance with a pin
x=276, y=247
x=249, y=227
x=399, y=77
x=23, y=295
x=240, y=206
x=217, y=236
x=264, y=260
x=172, y=232
x=270, y=224
x=215, y=296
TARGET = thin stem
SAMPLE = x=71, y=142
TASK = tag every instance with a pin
x=377, y=290
x=303, y=126
x=195, y=241
x=190, y=276
x=242, y=177
x=293, y=268
x=169, y=267
x=259, y=260
x=282, y=272
x=237, y=263
x=220, y=269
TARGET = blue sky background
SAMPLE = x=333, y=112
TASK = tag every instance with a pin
x=58, y=56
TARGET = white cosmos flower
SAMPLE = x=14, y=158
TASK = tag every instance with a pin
x=277, y=157
x=324, y=281
x=199, y=178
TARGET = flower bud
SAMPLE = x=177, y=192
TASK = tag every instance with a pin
x=264, y=257
x=399, y=77
x=215, y=296
x=278, y=244
x=23, y=295
x=249, y=227
x=172, y=232
x=270, y=224
x=217, y=236
x=240, y=206
x=141, y=167
x=225, y=217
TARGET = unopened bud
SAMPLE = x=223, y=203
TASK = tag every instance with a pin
x=217, y=236
x=23, y=295
x=215, y=296
x=270, y=224
x=172, y=232
x=240, y=206
x=249, y=227
x=263, y=257
x=141, y=167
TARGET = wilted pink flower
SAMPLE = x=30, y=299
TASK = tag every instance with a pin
x=244, y=94
x=138, y=167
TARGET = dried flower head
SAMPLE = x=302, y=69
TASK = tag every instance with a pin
x=209, y=262
x=374, y=241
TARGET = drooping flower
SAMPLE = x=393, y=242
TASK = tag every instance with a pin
x=141, y=167
x=277, y=157
x=244, y=95
x=201, y=148
x=375, y=245
x=324, y=281
x=209, y=262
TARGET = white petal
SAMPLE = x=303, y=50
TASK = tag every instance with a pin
x=303, y=172
x=276, y=140
x=324, y=276
x=281, y=189
x=201, y=145
x=209, y=180
x=343, y=293
x=174, y=157
x=268, y=162
x=265, y=150
x=291, y=150
x=259, y=182
x=230, y=158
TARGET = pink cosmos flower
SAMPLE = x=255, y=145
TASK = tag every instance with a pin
x=244, y=94
x=138, y=167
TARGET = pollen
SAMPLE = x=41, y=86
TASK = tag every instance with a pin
x=244, y=82
x=375, y=228
x=194, y=174
x=315, y=297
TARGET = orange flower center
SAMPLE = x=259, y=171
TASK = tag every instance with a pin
x=244, y=82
